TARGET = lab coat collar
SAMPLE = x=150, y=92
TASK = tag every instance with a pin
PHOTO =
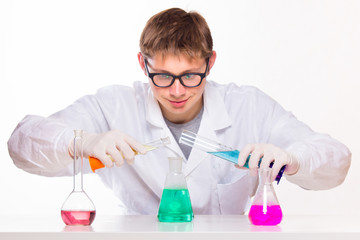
x=153, y=112
x=215, y=109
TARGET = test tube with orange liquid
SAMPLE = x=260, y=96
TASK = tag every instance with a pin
x=97, y=164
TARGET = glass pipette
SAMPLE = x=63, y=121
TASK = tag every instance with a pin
x=96, y=163
x=217, y=149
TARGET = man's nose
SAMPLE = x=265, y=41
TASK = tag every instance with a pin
x=177, y=88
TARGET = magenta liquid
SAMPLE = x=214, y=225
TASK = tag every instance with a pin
x=269, y=216
x=78, y=217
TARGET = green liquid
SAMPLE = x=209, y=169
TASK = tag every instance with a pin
x=175, y=206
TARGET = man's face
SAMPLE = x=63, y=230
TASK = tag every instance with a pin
x=179, y=104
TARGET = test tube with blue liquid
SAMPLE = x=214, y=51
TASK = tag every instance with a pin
x=219, y=150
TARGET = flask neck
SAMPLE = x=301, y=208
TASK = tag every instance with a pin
x=264, y=177
x=175, y=179
x=78, y=161
x=175, y=164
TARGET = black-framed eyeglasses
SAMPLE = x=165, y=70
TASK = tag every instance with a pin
x=187, y=79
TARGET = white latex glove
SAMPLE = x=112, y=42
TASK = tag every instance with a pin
x=110, y=147
x=269, y=153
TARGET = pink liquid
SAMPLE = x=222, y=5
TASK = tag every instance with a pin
x=78, y=217
x=272, y=216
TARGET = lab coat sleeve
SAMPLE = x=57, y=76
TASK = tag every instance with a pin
x=324, y=161
x=39, y=145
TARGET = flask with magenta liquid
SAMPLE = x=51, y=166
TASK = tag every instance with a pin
x=217, y=149
x=175, y=204
x=162, y=142
x=265, y=209
x=78, y=209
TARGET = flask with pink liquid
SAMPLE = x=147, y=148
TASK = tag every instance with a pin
x=265, y=209
x=78, y=209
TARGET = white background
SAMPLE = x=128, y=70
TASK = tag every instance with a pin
x=304, y=54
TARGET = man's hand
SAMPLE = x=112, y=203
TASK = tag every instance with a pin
x=269, y=153
x=110, y=147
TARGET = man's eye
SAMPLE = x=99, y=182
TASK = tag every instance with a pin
x=164, y=76
x=189, y=76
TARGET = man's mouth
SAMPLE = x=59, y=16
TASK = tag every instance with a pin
x=178, y=103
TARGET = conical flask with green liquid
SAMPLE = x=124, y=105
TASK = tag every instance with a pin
x=175, y=204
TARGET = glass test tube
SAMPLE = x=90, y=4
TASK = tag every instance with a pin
x=96, y=163
x=217, y=149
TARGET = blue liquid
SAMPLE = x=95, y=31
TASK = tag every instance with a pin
x=233, y=156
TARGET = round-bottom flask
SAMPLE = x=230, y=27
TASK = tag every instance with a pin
x=78, y=209
x=265, y=209
x=175, y=204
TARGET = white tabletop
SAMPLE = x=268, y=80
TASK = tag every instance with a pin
x=202, y=227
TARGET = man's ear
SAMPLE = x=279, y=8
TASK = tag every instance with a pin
x=212, y=61
x=141, y=60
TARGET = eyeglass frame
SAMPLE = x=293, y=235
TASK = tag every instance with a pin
x=174, y=77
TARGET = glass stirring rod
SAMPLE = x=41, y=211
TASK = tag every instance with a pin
x=96, y=163
x=217, y=149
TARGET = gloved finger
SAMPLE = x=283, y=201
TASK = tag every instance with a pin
x=71, y=148
x=280, y=161
x=244, y=153
x=130, y=161
x=254, y=159
x=240, y=167
x=116, y=156
x=127, y=152
x=135, y=145
x=292, y=166
x=267, y=159
x=105, y=159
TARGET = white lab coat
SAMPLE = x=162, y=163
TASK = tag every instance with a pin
x=233, y=115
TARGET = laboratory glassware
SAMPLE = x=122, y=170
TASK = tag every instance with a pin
x=265, y=209
x=96, y=163
x=175, y=204
x=78, y=209
x=217, y=149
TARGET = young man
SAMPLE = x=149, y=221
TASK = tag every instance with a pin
x=176, y=56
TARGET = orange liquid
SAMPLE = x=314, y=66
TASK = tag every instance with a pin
x=97, y=164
